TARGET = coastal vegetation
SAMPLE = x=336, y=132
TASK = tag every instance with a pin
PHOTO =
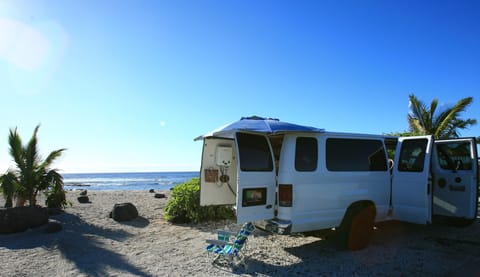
x=429, y=119
x=443, y=123
x=31, y=174
x=183, y=205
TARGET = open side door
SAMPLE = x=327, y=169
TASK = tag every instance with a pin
x=455, y=173
x=411, y=188
x=256, y=183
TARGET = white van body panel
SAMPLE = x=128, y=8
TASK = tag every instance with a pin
x=321, y=197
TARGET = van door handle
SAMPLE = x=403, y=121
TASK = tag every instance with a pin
x=268, y=207
x=457, y=188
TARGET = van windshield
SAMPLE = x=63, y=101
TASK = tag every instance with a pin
x=254, y=153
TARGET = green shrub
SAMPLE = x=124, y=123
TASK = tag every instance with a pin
x=56, y=198
x=183, y=205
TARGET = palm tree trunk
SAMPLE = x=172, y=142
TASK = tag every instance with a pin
x=20, y=201
x=33, y=200
x=8, y=202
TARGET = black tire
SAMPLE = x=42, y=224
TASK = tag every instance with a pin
x=357, y=229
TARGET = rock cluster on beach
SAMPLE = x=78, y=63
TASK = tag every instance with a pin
x=156, y=194
x=19, y=219
x=83, y=197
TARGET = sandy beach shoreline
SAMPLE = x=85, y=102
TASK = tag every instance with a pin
x=92, y=244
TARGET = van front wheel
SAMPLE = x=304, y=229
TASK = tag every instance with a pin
x=357, y=231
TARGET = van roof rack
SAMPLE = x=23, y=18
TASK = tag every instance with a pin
x=256, y=117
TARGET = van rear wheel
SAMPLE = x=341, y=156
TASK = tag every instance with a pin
x=357, y=230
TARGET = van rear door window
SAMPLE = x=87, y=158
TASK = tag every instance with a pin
x=306, y=154
x=355, y=155
x=454, y=156
x=254, y=152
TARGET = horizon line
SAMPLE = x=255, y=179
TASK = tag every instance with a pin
x=111, y=172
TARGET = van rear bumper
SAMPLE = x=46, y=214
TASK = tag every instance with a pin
x=277, y=226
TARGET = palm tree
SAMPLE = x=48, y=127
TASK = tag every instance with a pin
x=31, y=174
x=423, y=120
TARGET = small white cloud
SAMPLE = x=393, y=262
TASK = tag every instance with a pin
x=162, y=123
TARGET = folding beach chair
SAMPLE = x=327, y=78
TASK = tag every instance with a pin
x=228, y=245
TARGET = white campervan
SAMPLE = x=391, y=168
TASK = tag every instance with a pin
x=291, y=178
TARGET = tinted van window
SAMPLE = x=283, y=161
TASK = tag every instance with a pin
x=412, y=155
x=355, y=155
x=454, y=156
x=306, y=154
x=254, y=153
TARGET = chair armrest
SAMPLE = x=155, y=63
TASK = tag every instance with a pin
x=223, y=232
x=218, y=242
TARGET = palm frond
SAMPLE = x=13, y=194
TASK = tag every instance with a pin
x=414, y=125
x=31, y=151
x=416, y=117
x=9, y=187
x=452, y=114
x=51, y=157
x=445, y=124
x=55, y=177
x=16, y=149
x=429, y=116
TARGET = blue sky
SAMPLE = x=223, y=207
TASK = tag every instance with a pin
x=127, y=85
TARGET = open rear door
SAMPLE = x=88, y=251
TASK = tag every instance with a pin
x=455, y=172
x=411, y=188
x=256, y=181
x=218, y=172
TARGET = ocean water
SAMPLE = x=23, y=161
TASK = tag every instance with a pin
x=126, y=181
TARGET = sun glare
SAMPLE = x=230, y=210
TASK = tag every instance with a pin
x=31, y=53
x=22, y=45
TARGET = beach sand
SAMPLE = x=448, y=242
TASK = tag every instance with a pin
x=92, y=244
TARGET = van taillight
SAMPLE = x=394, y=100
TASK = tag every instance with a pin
x=285, y=195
